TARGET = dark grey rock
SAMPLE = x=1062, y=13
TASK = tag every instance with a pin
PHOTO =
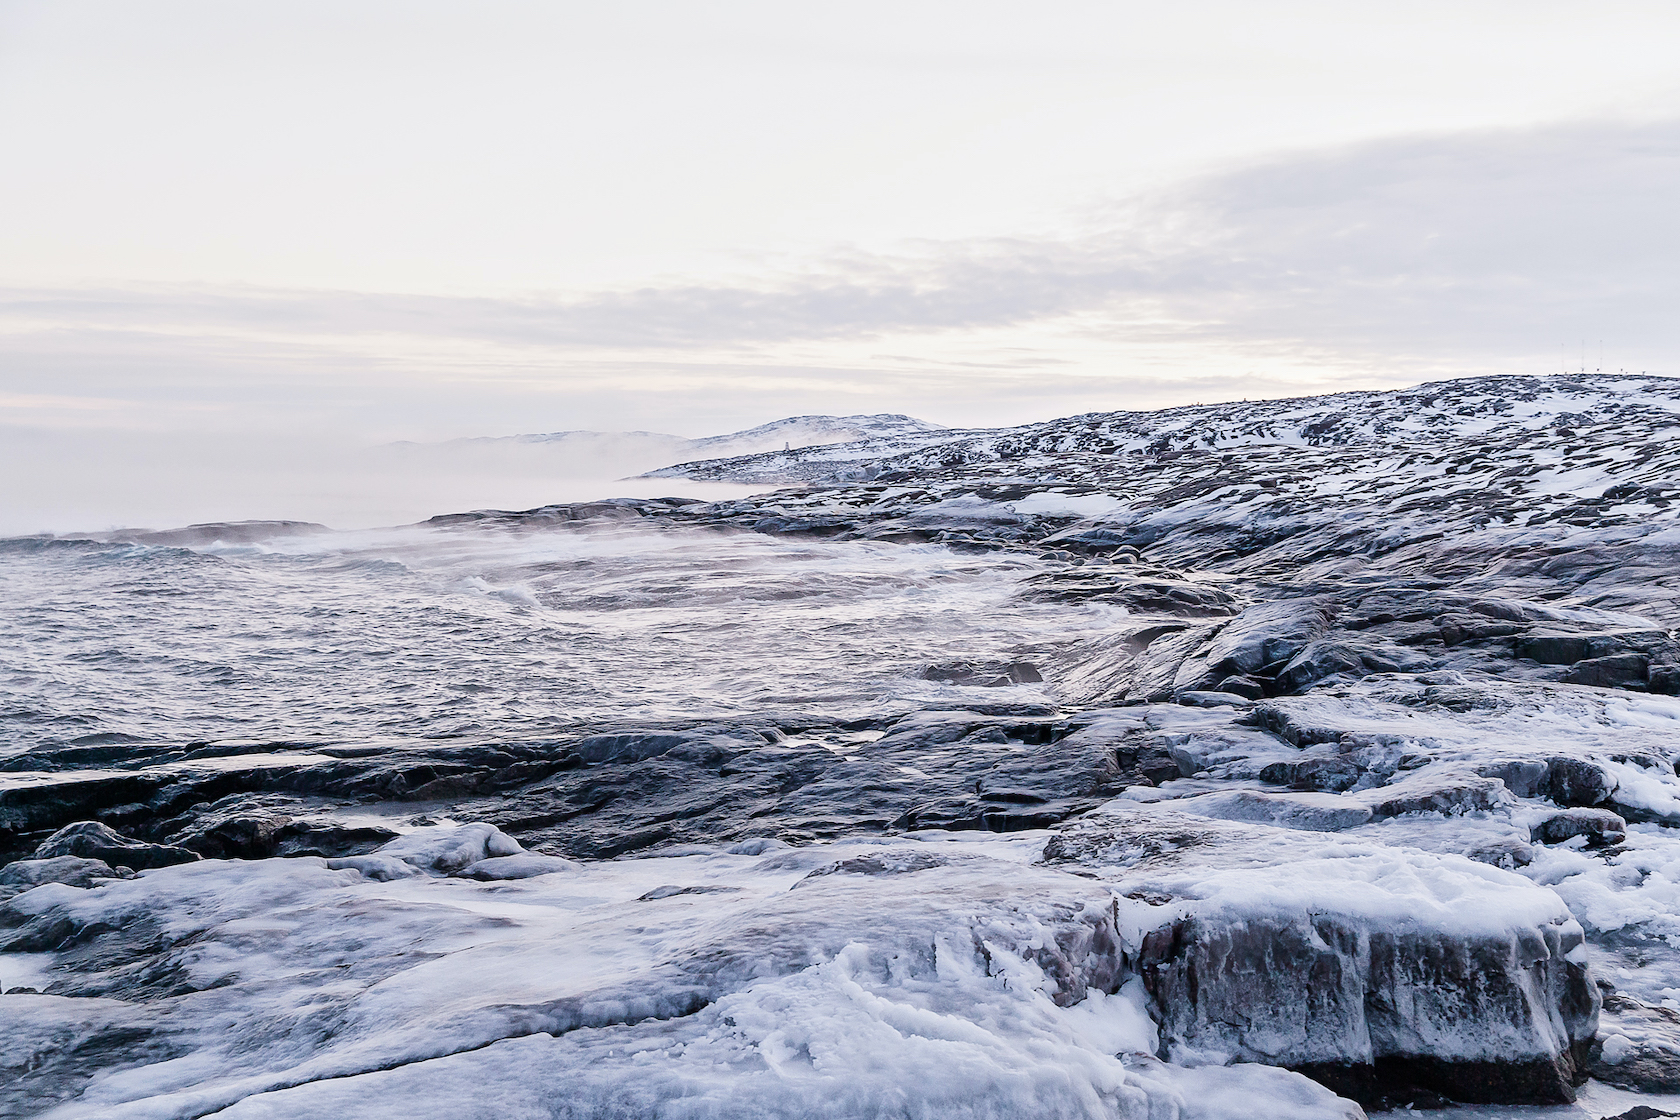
x=705, y=747
x=1555, y=648
x=1213, y=700
x=986, y=674
x=1616, y=671
x=1352, y=999
x=1247, y=687
x=1639, y=1046
x=1509, y=854
x=1316, y=662
x=1268, y=634
x=1600, y=826
x=1295, y=726
x=955, y=769
x=1327, y=775
x=92, y=840
x=1140, y=591
x=1156, y=671
x=1575, y=781
x=72, y=871
x=1460, y=629
x=1524, y=777
x=1213, y=981
x=1450, y=796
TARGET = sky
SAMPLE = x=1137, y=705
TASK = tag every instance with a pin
x=236, y=230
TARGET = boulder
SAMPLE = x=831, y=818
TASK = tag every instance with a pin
x=237, y=835
x=1617, y=671
x=525, y=865
x=92, y=840
x=447, y=848
x=1160, y=664
x=323, y=838
x=1357, y=965
x=1509, y=853
x=1197, y=699
x=1524, y=777
x=1451, y=795
x=1554, y=648
x=1639, y=1046
x=1317, y=661
x=1330, y=775
x=1601, y=827
x=1244, y=686
x=240, y=833
x=379, y=868
x=985, y=674
x=1575, y=781
x=1266, y=635
x=72, y=871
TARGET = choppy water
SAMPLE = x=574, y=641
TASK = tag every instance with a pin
x=442, y=632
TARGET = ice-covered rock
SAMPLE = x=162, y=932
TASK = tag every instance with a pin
x=1310, y=811
x=1365, y=966
x=445, y=849
x=1383, y=683
x=955, y=978
x=1639, y=1046
x=523, y=865
x=72, y=871
x=1599, y=827
x=381, y=868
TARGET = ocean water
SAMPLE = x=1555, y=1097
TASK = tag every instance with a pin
x=450, y=631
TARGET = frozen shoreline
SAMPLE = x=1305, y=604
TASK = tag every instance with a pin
x=1048, y=778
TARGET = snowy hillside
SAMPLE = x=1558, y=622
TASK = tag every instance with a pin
x=1548, y=417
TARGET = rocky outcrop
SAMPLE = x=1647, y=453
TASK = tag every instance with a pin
x=94, y=841
x=1355, y=965
x=1336, y=738
x=72, y=871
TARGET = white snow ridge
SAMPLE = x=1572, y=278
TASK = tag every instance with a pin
x=1286, y=759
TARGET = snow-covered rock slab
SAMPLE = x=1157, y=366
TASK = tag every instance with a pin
x=448, y=848
x=854, y=979
x=1367, y=967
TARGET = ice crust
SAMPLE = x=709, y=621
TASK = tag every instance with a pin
x=920, y=978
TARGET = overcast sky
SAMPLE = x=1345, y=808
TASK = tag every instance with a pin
x=414, y=220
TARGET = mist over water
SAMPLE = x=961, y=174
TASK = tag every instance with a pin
x=81, y=480
x=425, y=632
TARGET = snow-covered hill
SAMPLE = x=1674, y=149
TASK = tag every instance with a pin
x=1544, y=414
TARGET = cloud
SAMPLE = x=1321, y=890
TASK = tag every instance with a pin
x=1481, y=243
x=1391, y=259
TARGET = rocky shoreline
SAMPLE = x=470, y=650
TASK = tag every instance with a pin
x=1373, y=781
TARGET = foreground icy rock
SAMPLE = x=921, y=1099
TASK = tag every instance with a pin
x=1047, y=974
x=918, y=977
x=1367, y=966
